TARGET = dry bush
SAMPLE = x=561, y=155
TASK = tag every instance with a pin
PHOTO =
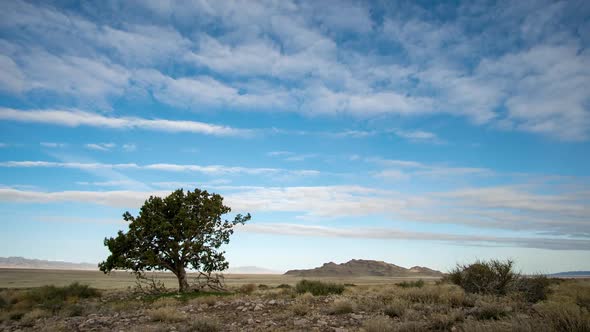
x=564, y=316
x=378, y=324
x=247, y=289
x=487, y=311
x=300, y=308
x=396, y=308
x=33, y=315
x=444, y=322
x=305, y=297
x=485, y=277
x=167, y=314
x=341, y=306
x=533, y=289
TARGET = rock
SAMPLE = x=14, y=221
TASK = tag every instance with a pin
x=272, y=302
x=250, y=321
x=258, y=307
x=356, y=316
x=300, y=322
x=340, y=329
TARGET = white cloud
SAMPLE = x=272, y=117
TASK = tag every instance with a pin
x=129, y=147
x=394, y=234
x=53, y=145
x=210, y=169
x=76, y=118
x=100, y=146
x=506, y=208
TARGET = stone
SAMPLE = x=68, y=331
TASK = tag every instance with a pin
x=300, y=322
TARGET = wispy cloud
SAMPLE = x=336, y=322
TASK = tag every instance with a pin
x=76, y=118
x=53, y=145
x=100, y=146
x=209, y=169
x=394, y=234
x=506, y=208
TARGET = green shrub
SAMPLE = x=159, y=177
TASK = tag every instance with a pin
x=410, y=284
x=53, y=298
x=318, y=287
x=284, y=286
x=485, y=277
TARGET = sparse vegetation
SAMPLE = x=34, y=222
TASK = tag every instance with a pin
x=385, y=307
x=316, y=287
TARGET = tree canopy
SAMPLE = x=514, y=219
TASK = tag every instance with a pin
x=183, y=230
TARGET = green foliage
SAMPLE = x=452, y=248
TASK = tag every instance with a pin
x=284, y=286
x=182, y=230
x=50, y=298
x=485, y=277
x=53, y=298
x=411, y=284
x=318, y=287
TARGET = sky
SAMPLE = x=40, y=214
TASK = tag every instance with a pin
x=404, y=131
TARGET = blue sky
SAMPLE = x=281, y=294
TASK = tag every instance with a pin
x=413, y=133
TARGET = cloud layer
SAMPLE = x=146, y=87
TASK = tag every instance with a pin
x=305, y=57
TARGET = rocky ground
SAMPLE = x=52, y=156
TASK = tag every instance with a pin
x=359, y=308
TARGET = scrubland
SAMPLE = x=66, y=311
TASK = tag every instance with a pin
x=563, y=305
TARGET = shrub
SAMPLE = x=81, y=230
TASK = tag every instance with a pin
x=52, y=298
x=166, y=314
x=340, y=307
x=300, y=308
x=284, y=286
x=318, y=287
x=563, y=316
x=409, y=284
x=395, y=309
x=247, y=289
x=491, y=277
x=488, y=311
x=533, y=289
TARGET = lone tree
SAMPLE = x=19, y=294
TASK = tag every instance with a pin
x=180, y=231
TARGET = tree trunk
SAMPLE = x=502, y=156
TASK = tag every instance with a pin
x=182, y=281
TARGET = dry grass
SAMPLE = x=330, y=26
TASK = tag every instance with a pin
x=341, y=306
x=378, y=324
x=167, y=314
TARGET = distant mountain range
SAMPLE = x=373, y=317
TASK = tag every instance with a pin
x=571, y=274
x=250, y=270
x=363, y=268
x=25, y=263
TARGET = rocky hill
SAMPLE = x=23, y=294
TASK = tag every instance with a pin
x=362, y=268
